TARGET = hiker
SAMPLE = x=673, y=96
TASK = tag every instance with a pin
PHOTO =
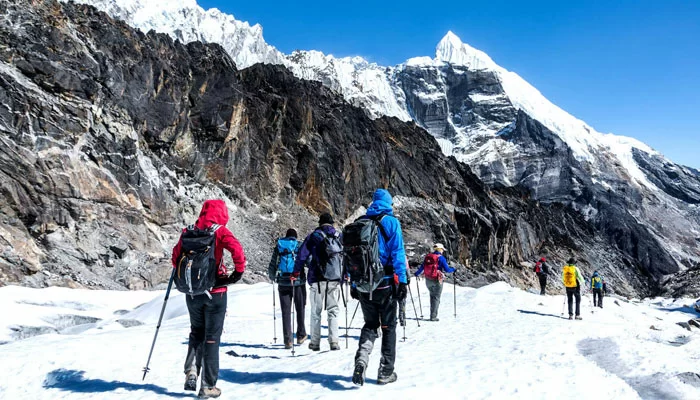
x=597, y=287
x=280, y=271
x=207, y=311
x=572, y=281
x=542, y=270
x=323, y=248
x=377, y=268
x=435, y=266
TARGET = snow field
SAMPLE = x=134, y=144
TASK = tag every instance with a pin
x=505, y=343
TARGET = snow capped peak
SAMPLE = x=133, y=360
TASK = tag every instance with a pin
x=452, y=50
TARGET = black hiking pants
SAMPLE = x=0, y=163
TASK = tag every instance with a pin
x=570, y=294
x=207, y=323
x=599, y=294
x=378, y=312
x=543, y=282
x=285, y=293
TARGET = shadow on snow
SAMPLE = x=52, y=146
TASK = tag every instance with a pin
x=332, y=382
x=540, y=314
x=76, y=382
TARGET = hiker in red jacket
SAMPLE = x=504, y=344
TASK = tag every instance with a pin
x=207, y=311
x=435, y=265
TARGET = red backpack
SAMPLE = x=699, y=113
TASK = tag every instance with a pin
x=430, y=266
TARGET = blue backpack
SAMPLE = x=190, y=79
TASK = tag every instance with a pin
x=286, y=248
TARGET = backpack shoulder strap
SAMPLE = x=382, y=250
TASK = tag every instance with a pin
x=378, y=219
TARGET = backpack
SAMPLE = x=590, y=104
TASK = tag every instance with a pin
x=430, y=267
x=597, y=282
x=329, y=253
x=361, y=252
x=570, y=276
x=286, y=249
x=196, y=264
x=538, y=267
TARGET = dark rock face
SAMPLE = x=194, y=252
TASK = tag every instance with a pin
x=111, y=139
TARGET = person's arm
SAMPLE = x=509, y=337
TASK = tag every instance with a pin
x=272, y=268
x=397, y=251
x=176, y=251
x=442, y=262
x=579, y=277
x=234, y=247
x=304, y=253
x=420, y=271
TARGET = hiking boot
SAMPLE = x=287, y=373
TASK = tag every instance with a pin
x=358, y=375
x=571, y=317
x=578, y=317
x=335, y=346
x=302, y=339
x=288, y=345
x=191, y=380
x=209, y=393
x=314, y=346
x=435, y=319
x=383, y=380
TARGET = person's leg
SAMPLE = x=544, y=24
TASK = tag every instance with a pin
x=370, y=312
x=600, y=298
x=570, y=300
x=300, y=304
x=195, y=307
x=285, y=293
x=577, y=293
x=333, y=309
x=316, y=309
x=543, y=284
x=388, y=318
x=215, y=313
x=435, y=290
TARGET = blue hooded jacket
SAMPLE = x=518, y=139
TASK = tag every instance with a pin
x=391, y=252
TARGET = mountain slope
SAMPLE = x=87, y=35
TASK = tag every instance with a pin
x=496, y=122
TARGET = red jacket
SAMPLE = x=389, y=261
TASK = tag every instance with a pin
x=216, y=212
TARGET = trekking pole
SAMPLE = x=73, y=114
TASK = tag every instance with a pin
x=414, y=304
x=274, y=314
x=419, y=302
x=162, y=311
x=345, y=304
x=353, y=314
x=454, y=283
x=293, y=315
x=563, y=307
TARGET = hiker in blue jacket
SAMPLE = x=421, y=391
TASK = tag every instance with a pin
x=380, y=306
x=280, y=271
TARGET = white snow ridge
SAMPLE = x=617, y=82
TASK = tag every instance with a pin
x=504, y=343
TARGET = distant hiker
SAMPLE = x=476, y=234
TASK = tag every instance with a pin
x=280, y=270
x=572, y=281
x=597, y=287
x=193, y=253
x=542, y=270
x=435, y=266
x=324, y=249
x=375, y=260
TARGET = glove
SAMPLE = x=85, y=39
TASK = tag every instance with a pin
x=354, y=293
x=294, y=276
x=401, y=291
x=235, y=277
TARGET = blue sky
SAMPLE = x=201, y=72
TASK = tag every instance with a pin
x=631, y=68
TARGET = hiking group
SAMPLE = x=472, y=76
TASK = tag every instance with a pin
x=367, y=258
x=573, y=281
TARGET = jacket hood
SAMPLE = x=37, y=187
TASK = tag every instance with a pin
x=213, y=212
x=381, y=203
x=595, y=273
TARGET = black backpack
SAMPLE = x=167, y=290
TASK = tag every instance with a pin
x=361, y=252
x=196, y=268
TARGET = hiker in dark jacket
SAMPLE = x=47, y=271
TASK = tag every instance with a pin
x=435, y=266
x=322, y=290
x=207, y=311
x=280, y=271
x=379, y=307
x=542, y=270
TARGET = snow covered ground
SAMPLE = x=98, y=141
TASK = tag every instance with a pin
x=504, y=343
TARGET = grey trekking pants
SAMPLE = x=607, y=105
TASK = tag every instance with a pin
x=435, y=290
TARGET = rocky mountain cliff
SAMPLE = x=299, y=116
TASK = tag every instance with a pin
x=111, y=138
x=493, y=120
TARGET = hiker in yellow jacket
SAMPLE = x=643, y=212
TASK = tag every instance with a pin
x=573, y=280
